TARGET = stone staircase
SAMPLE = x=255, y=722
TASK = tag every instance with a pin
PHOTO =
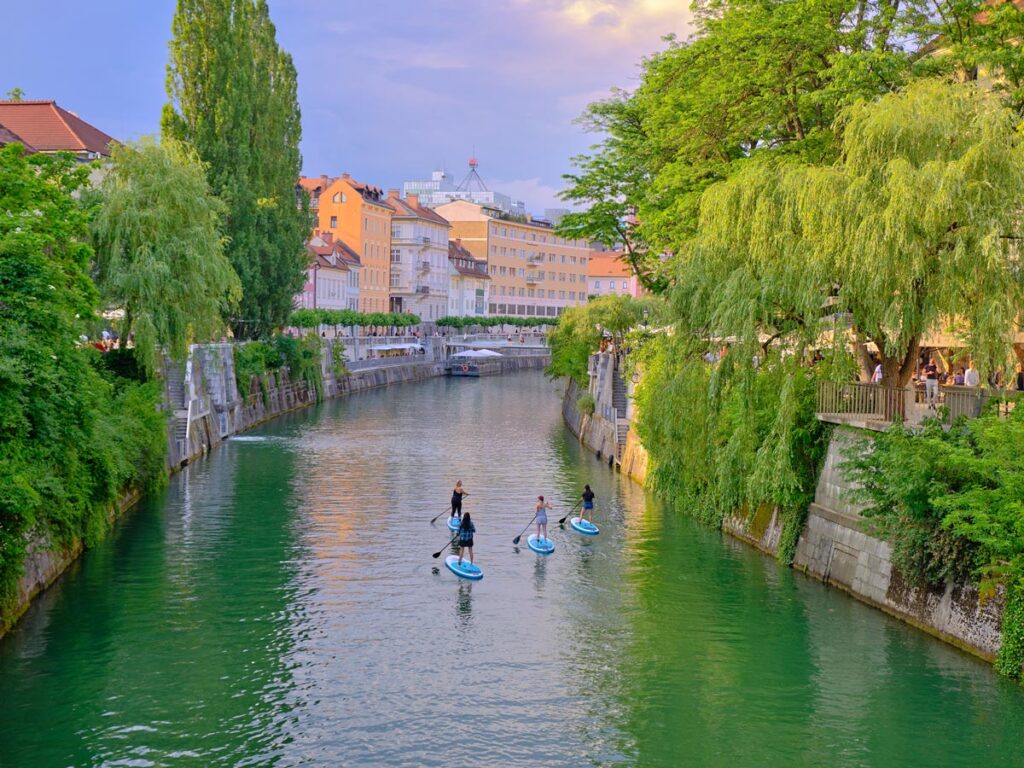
x=175, y=383
x=619, y=405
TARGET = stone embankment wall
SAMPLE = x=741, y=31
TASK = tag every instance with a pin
x=206, y=408
x=835, y=546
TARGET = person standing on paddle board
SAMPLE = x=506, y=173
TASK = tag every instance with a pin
x=466, y=531
x=457, y=494
x=588, y=503
x=542, y=517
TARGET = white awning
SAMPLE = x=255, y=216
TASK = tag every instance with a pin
x=477, y=353
x=388, y=347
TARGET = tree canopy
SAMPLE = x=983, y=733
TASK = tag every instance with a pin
x=764, y=78
x=233, y=98
x=72, y=437
x=159, y=250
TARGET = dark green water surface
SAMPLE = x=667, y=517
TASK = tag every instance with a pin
x=278, y=605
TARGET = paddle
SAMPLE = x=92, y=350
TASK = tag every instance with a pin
x=517, y=538
x=562, y=521
x=446, y=509
x=442, y=549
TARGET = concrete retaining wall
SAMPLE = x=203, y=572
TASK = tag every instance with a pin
x=836, y=545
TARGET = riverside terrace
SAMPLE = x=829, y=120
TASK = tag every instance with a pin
x=872, y=406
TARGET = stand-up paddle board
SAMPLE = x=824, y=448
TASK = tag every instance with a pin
x=584, y=526
x=454, y=523
x=540, y=546
x=466, y=571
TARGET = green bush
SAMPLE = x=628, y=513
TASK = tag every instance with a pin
x=585, y=404
x=952, y=505
x=74, y=435
x=252, y=358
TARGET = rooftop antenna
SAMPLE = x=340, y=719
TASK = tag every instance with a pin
x=471, y=177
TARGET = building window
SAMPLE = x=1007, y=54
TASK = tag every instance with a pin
x=334, y=222
x=597, y=285
x=396, y=256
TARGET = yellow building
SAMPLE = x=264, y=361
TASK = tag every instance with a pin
x=533, y=271
x=359, y=215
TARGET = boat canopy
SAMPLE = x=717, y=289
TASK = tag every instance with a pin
x=388, y=347
x=477, y=353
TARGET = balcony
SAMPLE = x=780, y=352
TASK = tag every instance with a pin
x=532, y=278
x=873, y=406
x=535, y=260
x=423, y=289
x=424, y=266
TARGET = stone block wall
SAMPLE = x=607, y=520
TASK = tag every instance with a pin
x=837, y=547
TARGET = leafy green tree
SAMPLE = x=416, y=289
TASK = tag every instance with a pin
x=914, y=229
x=70, y=441
x=233, y=97
x=15, y=94
x=159, y=250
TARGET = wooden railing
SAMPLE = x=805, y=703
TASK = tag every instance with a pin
x=856, y=401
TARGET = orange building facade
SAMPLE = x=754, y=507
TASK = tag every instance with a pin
x=533, y=271
x=359, y=215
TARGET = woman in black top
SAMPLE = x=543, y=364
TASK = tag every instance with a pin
x=588, y=503
x=457, y=494
x=466, y=531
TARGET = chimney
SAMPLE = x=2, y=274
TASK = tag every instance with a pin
x=414, y=200
x=345, y=175
x=393, y=194
x=458, y=241
x=327, y=237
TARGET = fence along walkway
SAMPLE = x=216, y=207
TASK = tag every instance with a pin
x=875, y=406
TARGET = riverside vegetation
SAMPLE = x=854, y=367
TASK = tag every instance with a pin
x=184, y=236
x=797, y=181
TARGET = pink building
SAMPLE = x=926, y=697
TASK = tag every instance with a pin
x=332, y=278
x=608, y=273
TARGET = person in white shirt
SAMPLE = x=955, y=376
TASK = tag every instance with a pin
x=971, y=377
x=876, y=377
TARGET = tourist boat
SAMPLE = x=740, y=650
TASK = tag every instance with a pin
x=474, y=363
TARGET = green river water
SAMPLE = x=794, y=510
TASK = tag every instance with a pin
x=278, y=605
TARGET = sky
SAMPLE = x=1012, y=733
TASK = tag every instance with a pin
x=389, y=91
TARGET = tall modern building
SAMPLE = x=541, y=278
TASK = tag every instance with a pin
x=533, y=271
x=441, y=188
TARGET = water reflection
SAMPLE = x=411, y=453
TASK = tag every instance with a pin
x=279, y=605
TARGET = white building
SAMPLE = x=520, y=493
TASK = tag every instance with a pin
x=469, y=283
x=419, y=259
x=332, y=277
x=441, y=189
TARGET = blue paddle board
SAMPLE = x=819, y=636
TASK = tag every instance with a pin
x=540, y=546
x=454, y=523
x=466, y=571
x=584, y=526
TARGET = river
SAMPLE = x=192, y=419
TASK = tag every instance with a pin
x=278, y=605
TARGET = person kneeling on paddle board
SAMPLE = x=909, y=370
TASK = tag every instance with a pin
x=466, y=531
x=457, y=494
x=542, y=517
x=588, y=503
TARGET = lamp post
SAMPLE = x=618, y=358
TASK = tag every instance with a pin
x=316, y=268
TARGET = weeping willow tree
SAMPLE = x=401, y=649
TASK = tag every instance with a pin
x=913, y=229
x=159, y=249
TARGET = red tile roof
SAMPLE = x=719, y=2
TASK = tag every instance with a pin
x=7, y=136
x=50, y=128
x=405, y=209
x=323, y=244
x=464, y=262
x=608, y=264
